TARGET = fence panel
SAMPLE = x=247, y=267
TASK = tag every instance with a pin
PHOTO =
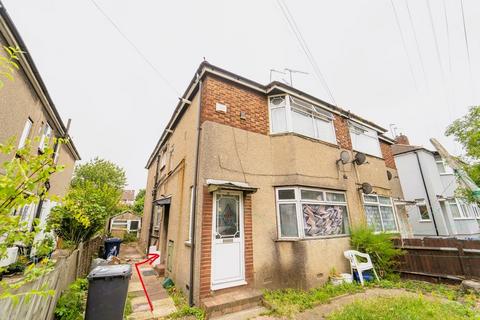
x=440, y=258
x=66, y=270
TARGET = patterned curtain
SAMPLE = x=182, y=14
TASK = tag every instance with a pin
x=322, y=220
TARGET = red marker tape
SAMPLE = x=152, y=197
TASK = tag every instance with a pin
x=151, y=258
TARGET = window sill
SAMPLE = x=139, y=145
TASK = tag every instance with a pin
x=368, y=154
x=446, y=174
x=465, y=218
x=279, y=134
x=311, y=238
x=425, y=220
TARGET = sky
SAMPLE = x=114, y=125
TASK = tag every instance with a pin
x=120, y=104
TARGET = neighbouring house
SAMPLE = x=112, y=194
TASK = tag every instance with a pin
x=27, y=112
x=128, y=197
x=429, y=185
x=257, y=186
x=123, y=223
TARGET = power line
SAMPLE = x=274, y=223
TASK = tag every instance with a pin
x=416, y=42
x=137, y=50
x=467, y=47
x=304, y=46
x=404, y=43
x=448, y=37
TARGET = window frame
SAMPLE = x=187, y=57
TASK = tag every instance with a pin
x=323, y=115
x=423, y=203
x=25, y=133
x=378, y=204
x=47, y=132
x=447, y=170
x=468, y=211
x=352, y=125
x=299, y=211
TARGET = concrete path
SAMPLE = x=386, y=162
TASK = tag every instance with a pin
x=162, y=303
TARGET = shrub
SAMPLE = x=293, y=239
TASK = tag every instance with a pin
x=71, y=304
x=380, y=248
x=129, y=237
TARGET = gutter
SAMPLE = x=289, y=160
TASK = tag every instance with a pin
x=426, y=192
x=194, y=200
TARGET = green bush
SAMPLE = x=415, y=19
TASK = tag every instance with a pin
x=380, y=248
x=183, y=309
x=71, y=304
x=129, y=237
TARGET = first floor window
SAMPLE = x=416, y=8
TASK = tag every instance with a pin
x=454, y=208
x=310, y=213
x=424, y=214
x=25, y=133
x=364, y=139
x=380, y=213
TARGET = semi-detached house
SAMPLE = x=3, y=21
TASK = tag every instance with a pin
x=247, y=185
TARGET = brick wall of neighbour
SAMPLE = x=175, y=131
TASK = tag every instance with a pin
x=206, y=243
x=237, y=99
x=343, y=133
x=387, y=155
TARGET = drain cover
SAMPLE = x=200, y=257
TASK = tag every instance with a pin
x=148, y=273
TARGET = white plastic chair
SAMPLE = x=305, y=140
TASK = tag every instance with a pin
x=351, y=255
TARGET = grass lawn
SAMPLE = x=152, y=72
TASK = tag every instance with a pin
x=403, y=308
x=287, y=302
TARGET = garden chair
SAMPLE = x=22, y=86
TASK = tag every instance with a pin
x=351, y=255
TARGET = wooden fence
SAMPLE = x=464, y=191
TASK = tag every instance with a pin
x=439, y=259
x=67, y=270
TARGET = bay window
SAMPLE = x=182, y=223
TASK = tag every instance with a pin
x=308, y=213
x=290, y=114
x=364, y=139
x=380, y=213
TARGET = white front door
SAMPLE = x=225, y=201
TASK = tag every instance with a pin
x=228, y=268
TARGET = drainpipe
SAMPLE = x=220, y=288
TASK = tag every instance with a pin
x=194, y=200
x=154, y=195
x=426, y=192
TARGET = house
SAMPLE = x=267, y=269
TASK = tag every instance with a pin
x=123, y=223
x=429, y=184
x=128, y=197
x=257, y=186
x=27, y=112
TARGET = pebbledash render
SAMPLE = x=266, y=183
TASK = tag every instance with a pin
x=251, y=178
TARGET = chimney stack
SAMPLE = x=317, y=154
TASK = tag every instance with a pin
x=402, y=139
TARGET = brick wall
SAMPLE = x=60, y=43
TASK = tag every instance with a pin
x=206, y=243
x=387, y=155
x=343, y=133
x=237, y=99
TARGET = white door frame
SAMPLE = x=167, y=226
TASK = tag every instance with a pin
x=241, y=280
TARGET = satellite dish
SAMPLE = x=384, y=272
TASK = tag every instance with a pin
x=389, y=175
x=360, y=158
x=344, y=157
x=366, y=188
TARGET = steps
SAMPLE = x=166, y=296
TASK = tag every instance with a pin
x=231, y=302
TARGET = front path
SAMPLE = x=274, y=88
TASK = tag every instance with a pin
x=162, y=303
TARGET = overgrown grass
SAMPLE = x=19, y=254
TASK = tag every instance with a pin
x=286, y=302
x=128, y=307
x=403, y=308
x=183, y=309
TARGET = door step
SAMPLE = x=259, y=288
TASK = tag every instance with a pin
x=231, y=302
x=243, y=315
x=160, y=270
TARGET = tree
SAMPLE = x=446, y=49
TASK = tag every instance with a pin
x=9, y=64
x=93, y=197
x=139, y=202
x=100, y=172
x=466, y=131
x=23, y=181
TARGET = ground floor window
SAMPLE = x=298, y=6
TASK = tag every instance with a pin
x=380, y=213
x=310, y=213
x=463, y=210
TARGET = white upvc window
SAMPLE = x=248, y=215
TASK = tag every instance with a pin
x=290, y=114
x=423, y=211
x=133, y=225
x=476, y=210
x=463, y=210
x=45, y=138
x=454, y=208
x=380, y=213
x=25, y=133
x=364, y=139
x=309, y=213
x=119, y=224
x=442, y=166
